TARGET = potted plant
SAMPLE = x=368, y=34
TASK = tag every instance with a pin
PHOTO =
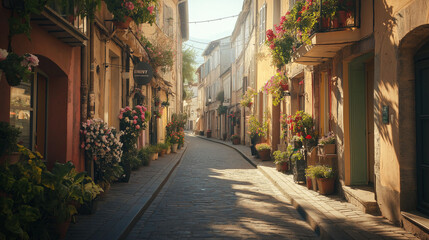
x=17, y=68
x=325, y=179
x=209, y=133
x=327, y=144
x=235, y=138
x=308, y=176
x=281, y=161
x=174, y=140
x=143, y=154
x=256, y=131
x=168, y=144
x=276, y=86
x=296, y=142
x=299, y=165
x=8, y=143
x=264, y=151
x=141, y=11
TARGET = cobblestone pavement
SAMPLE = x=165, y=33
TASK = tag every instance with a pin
x=214, y=193
x=332, y=216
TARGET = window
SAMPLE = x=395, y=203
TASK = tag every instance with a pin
x=28, y=112
x=168, y=20
x=324, y=103
x=226, y=87
x=301, y=95
x=276, y=12
x=262, y=22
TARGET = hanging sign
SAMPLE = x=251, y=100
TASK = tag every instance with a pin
x=142, y=73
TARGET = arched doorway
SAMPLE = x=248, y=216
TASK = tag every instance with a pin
x=421, y=61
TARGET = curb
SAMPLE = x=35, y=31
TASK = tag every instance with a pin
x=311, y=215
x=124, y=226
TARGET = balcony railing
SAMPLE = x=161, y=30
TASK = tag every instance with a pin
x=67, y=13
x=342, y=15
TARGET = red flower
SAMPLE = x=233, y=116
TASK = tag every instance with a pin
x=308, y=137
x=287, y=13
x=299, y=19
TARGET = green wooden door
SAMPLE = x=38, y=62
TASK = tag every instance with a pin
x=358, y=128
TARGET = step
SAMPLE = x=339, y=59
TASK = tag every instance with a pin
x=362, y=197
x=416, y=223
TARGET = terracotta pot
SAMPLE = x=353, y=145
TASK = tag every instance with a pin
x=314, y=181
x=174, y=147
x=309, y=183
x=152, y=157
x=156, y=156
x=282, y=167
x=236, y=141
x=264, y=154
x=325, y=22
x=326, y=185
x=335, y=23
x=342, y=18
x=124, y=25
x=168, y=150
x=12, y=158
x=62, y=228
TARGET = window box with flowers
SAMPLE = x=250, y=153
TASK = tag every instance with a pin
x=327, y=144
x=235, y=138
x=124, y=11
x=264, y=151
x=247, y=98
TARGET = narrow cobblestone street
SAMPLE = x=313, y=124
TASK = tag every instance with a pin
x=215, y=193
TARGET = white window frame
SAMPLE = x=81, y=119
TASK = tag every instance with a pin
x=262, y=23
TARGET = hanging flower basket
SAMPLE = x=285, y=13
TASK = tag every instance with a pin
x=284, y=86
x=123, y=25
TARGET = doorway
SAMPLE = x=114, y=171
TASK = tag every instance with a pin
x=422, y=127
x=361, y=120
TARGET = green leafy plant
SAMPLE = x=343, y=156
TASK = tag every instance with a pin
x=222, y=109
x=301, y=124
x=262, y=146
x=275, y=87
x=321, y=171
x=234, y=136
x=17, y=68
x=160, y=55
x=257, y=129
x=297, y=156
x=280, y=157
x=8, y=138
x=143, y=155
x=220, y=96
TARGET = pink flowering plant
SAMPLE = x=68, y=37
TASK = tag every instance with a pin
x=247, y=98
x=131, y=122
x=295, y=28
x=102, y=145
x=276, y=87
x=17, y=68
x=141, y=11
x=159, y=55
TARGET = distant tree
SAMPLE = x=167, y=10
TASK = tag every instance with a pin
x=188, y=94
x=188, y=65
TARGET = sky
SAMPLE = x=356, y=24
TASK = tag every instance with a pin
x=200, y=10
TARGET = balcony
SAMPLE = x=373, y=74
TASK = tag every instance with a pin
x=331, y=34
x=66, y=27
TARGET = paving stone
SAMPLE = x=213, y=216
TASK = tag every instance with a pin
x=226, y=198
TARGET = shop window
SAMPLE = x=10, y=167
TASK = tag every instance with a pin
x=28, y=112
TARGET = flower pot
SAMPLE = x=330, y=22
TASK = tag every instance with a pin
x=326, y=185
x=309, y=183
x=209, y=134
x=264, y=154
x=174, y=147
x=314, y=181
x=325, y=22
x=88, y=208
x=236, y=141
x=342, y=18
x=335, y=23
x=327, y=149
x=152, y=157
x=123, y=25
x=61, y=228
x=249, y=105
x=179, y=146
x=156, y=156
x=12, y=158
x=201, y=133
x=168, y=150
x=282, y=167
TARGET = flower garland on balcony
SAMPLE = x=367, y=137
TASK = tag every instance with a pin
x=140, y=11
x=294, y=29
x=276, y=86
x=247, y=98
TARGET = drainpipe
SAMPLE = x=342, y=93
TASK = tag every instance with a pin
x=84, y=83
x=91, y=112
